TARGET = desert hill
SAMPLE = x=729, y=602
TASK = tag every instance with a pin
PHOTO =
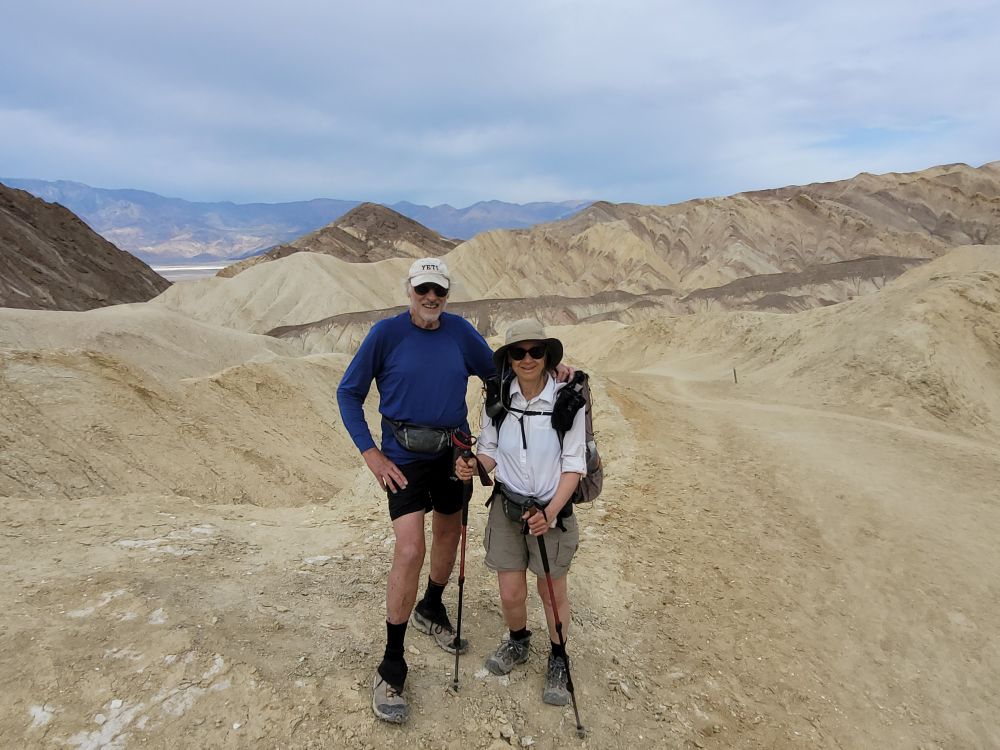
x=954, y=203
x=139, y=399
x=364, y=234
x=817, y=286
x=164, y=344
x=300, y=288
x=197, y=555
x=710, y=242
x=308, y=287
x=925, y=350
x=389, y=234
x=344, y=332
x=698, y=245
x=51, y=260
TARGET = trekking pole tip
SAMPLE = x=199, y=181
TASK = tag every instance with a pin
x=581, y=732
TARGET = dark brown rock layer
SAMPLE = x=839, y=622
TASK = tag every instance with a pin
x=51, y=260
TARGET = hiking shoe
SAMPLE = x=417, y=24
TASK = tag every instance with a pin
x=508, y=655
x=556, y=692
x=387, y=703
x=436, y=624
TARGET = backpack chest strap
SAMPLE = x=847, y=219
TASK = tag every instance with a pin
x=520, y=421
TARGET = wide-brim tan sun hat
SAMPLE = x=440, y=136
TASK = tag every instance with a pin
x=529, y=330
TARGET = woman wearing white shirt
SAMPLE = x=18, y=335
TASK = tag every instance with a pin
x=534, y=467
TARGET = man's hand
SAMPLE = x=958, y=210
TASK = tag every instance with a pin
x=387, y=474
x=564, y=373
x=465, y=468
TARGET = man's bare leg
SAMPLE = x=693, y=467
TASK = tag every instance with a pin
x=407, y=560
x=430, y=615
x=446, y=533
x=400, y=594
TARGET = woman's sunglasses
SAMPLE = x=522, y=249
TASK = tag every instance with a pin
x=517, y=353
x=422, y=289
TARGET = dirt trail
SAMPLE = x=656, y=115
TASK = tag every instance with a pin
x=859, y=564
x=754, y=576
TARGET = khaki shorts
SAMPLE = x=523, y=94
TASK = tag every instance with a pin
x=507, y=549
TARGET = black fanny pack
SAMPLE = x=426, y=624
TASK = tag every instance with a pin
x=420, y=439
x=515, y=504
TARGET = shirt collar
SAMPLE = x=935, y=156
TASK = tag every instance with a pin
x=548, y=392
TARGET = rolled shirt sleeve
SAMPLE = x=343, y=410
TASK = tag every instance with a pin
x=574, y=450
x=487, y=443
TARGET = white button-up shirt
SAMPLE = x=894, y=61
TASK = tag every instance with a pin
x=534, y=470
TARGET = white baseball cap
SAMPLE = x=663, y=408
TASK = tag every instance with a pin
x=429, y=270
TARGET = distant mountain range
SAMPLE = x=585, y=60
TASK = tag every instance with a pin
x=168, y=230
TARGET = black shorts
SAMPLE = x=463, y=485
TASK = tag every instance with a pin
x=431, y=485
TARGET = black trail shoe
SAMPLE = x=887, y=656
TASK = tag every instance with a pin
x=437, y=625
x=556, y=692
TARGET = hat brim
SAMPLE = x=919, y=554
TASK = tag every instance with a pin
x=553, y=353
x=430, y=278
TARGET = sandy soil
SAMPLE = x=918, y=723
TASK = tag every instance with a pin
x=757, y=574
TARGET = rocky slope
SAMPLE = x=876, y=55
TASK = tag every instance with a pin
x=708, y=243
x=344, y=333
x=817, y=286
x=51, y=260
x=692, y=246
x=367, y=233
x=925, y=350
x=137, y=398
x=953, y=203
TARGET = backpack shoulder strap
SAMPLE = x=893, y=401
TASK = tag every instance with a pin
x=570, y=399
x=504, y=406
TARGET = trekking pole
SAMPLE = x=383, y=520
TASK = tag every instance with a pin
x=464, y=443
x=580, y=731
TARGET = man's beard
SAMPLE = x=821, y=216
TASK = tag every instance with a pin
x=425, y=314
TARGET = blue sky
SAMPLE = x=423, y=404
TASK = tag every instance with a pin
x=454, y=102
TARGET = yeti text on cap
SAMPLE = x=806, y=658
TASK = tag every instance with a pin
x=431, y=270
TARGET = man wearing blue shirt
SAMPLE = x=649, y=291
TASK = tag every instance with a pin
x=421, y=361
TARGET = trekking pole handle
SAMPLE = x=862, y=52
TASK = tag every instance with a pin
x=463, y=442
x=532, y=510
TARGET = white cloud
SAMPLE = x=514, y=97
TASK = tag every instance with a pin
x=453, y=101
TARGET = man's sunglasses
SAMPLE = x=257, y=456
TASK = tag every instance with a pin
x=517, y=353
x=422, y=289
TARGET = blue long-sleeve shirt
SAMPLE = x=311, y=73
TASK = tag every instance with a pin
x=421, y=377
